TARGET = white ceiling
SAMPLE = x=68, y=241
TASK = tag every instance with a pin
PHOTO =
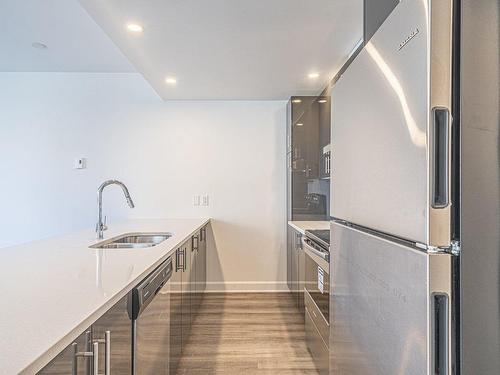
x=217, y=49
x=233, y=49
x=75, y=43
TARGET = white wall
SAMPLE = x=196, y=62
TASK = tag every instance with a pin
x=164, y=152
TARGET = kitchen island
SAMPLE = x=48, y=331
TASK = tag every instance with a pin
x=53, y=289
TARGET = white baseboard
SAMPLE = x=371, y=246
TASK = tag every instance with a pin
x=246, y=286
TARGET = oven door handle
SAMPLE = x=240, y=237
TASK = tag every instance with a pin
x=322, y=254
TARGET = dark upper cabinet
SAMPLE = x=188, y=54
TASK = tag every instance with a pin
x=325, y=110
x=308, y=135
x=304, y=131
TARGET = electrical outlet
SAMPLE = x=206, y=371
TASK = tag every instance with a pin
x=80, y=163
x=196, y=200
x=205, y=200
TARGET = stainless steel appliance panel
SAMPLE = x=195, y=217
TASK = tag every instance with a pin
x=317, y=317
x=315, y=268
x=150, y=311
x=316, y=345
x=153, y=336
x=317, y=299
x=380, y=120
x=375, y=12
x=382, y=296
x=480, y=172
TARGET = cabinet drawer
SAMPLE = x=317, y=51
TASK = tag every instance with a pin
x=319, y=321
x=319, y=351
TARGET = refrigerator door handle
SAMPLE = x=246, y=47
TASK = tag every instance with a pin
x=442, y=330
x=440, y=157
x=440, y=326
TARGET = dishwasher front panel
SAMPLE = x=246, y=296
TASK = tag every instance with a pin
x=153, y=336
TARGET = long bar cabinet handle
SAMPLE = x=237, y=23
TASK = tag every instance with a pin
x=107, y=364
x=95, y=353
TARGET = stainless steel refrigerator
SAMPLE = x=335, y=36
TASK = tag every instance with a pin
x=415, y=195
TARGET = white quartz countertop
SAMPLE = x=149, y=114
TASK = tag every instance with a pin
x=302, y=226
x=52, y=290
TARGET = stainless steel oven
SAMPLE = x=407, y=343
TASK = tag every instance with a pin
x=317, y=296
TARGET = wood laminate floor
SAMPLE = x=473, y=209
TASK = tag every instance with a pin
x=247, y=333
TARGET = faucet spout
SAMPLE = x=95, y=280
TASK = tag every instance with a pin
x=101, y=226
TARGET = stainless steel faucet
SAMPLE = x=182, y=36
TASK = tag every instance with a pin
x=101, y=226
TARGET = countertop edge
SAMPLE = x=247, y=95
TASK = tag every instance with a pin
x=310, y=225
x=44, y=358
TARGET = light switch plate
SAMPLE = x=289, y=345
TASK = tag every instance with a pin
x=205, y=200
x=196, y=200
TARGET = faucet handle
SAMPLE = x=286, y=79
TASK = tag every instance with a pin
x=103, y=225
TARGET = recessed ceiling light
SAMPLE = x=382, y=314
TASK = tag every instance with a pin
x=322, y=101
x=313, y=75
x=296, y=101
x=171, y=80
x=135, y=28
x=299, y=124
x=39, y=45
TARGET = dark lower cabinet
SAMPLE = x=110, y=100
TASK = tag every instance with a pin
x=289, y=257
x=105, y=348
x=113, y=333
x=201, y=264
x=70, y=360
x=295, y=266
x=195, y=241
x=301, y=274
x=198, y=272
x=188, y=283
x=176, y=312
x=186, y=291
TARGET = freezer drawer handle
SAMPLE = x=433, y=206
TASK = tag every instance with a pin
x=440, y=331
x=440, y=157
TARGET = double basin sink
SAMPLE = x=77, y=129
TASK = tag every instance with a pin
x=133, y=241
